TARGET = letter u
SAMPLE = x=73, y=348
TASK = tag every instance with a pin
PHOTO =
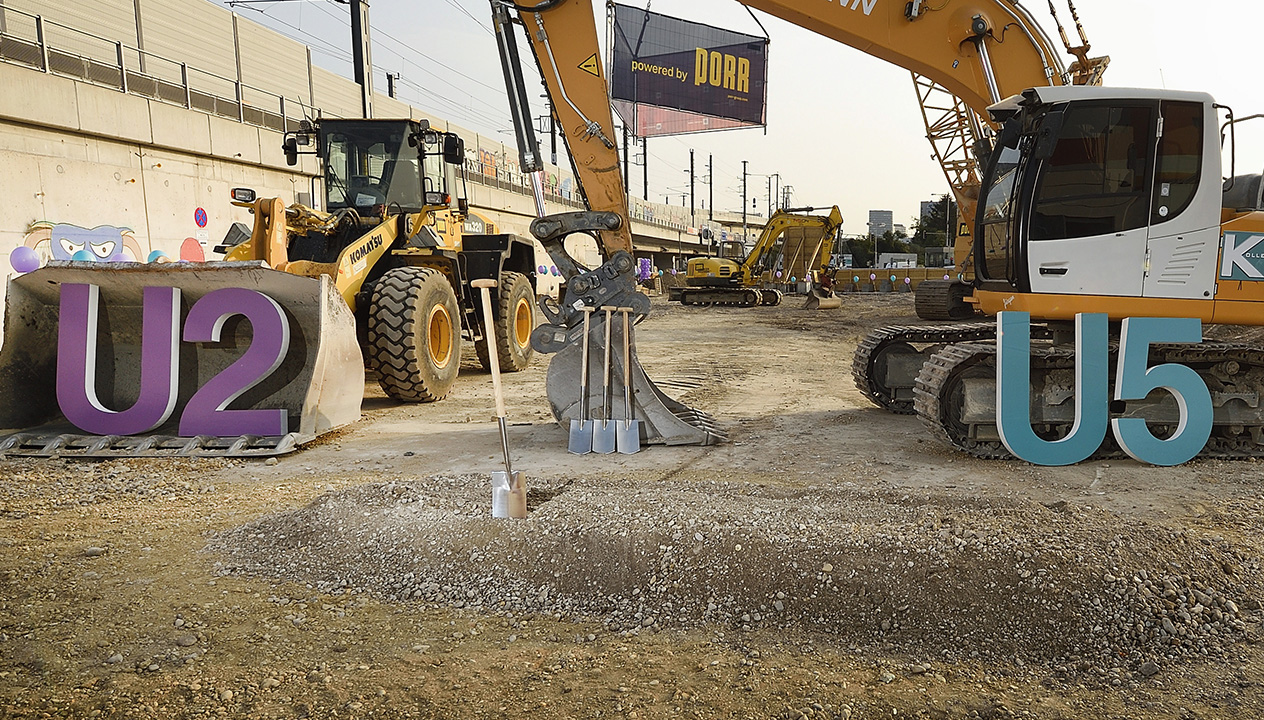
x=1013, y=390
x=77, y=358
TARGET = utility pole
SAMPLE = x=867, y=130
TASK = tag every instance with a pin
x=626, y=159
x=777, y=194
x=645, y=169
x=691, y=186
x=361, y=59
x=710, y=189
x=770, y=200
x=743, y=203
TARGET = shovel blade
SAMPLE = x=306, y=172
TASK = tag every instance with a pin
x=605, y=436
x=628, y=438
x=581, y=437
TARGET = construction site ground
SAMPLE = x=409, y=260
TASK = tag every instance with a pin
x=830, y=561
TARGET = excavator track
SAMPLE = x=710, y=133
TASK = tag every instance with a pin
x=955, y=397
x=725, y=297
x=942, y=300
x=892, y=345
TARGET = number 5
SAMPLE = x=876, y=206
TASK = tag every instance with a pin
x=1134, y=380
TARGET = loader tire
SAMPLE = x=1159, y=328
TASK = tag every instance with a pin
x=414, y=334
x=515, y=319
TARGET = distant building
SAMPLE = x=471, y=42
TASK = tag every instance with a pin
x=901, y=230
x=928, y=207
x=881, y=222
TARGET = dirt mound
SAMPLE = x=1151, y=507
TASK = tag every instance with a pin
x=933, y=575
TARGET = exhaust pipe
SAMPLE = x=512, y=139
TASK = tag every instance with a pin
x=663, y=420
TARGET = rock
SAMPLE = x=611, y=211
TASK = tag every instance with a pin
x=187, y=640
x=91, y=575
x=886, y=677
x=827, y=568
x=227, y=695
x=270, y=683
x=94, y=551
x=270, y=461
x=114, y=659
x=1148, y=668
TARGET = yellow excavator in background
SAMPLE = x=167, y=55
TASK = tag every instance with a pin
x=792, y=246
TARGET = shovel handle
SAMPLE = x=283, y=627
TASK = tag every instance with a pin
x=489, y=331
x=583, y=379
x=627, y=363
x=606, y=389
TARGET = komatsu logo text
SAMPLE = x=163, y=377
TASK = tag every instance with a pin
x=374, y=242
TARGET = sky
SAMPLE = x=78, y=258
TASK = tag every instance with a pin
x=843, y=128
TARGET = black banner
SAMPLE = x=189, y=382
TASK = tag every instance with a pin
x=678, y=76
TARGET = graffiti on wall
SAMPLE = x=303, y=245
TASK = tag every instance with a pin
x=46, y=241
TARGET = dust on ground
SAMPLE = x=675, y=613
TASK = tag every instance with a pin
x=832, y=561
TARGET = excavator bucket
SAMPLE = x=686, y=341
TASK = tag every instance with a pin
x=818, y=300
x=134, y=359
x=663, y=420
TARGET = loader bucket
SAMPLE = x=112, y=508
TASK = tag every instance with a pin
x=818, y=301
x=172, y=337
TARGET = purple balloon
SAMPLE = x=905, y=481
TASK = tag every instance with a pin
x=873, y=276
x=118, y=257
x=946, y=276
x=24, y=259
x=907, y=281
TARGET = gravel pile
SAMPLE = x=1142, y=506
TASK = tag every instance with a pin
x=1072, y=586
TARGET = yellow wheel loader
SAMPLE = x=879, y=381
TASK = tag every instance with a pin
x=267, y=349
x=792, y=246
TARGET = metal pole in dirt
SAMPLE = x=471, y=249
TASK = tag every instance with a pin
x=691, y=210
x=710, y=188
x=743, y=205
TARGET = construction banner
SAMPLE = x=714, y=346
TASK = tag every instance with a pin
x=672, y=76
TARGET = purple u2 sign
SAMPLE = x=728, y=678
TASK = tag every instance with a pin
x=206, y=413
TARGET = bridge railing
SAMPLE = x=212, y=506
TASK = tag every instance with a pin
x=51, y=47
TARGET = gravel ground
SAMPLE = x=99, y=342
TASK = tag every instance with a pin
x=830, y=562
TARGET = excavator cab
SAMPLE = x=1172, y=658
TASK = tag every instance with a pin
x=376, y=167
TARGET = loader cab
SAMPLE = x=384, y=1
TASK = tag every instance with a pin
x=383, y=167
x=1101, y=191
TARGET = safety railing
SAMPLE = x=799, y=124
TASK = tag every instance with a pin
x=36, y=42
x=39, y=43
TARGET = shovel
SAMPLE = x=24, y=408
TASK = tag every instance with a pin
x=509, y=494
x=581, y=437
x=629, y=434
x=604, y=440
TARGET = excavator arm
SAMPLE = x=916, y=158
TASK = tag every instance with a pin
x=979, y=51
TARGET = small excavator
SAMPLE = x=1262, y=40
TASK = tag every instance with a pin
x=792, y=246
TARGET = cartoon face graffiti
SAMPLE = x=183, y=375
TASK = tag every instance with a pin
x=62, y=241
x=103, y=242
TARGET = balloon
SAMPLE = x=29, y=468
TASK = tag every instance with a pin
x=892, y=278
x=118, y=257
x=24, y=259
x=873, y=276
x=778, y=273
x=541, y=269
x=83, y=256
x=673, y=271
x=553, y=269
x=158, y=256
x=794, y=279
x=946, y=276
x=907, y=281
x=855, y=278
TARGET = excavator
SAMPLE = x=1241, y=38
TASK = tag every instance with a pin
x=1096, y=202
x=791, y=244
x=965, y=55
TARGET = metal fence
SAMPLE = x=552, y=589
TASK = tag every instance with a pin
x=41, y=44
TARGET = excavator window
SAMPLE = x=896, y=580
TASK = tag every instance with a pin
x=1096, y=181
x=1180, y=159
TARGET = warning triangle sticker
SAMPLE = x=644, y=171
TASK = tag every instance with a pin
x=590, y=66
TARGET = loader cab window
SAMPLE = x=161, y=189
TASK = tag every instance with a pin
x=370, y=166
x=1095, y=179
x=1180, y=160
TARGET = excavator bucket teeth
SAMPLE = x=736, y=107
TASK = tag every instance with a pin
x=313, y=369
x=663, y=420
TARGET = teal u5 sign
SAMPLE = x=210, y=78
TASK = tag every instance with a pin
x=1134, y=379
